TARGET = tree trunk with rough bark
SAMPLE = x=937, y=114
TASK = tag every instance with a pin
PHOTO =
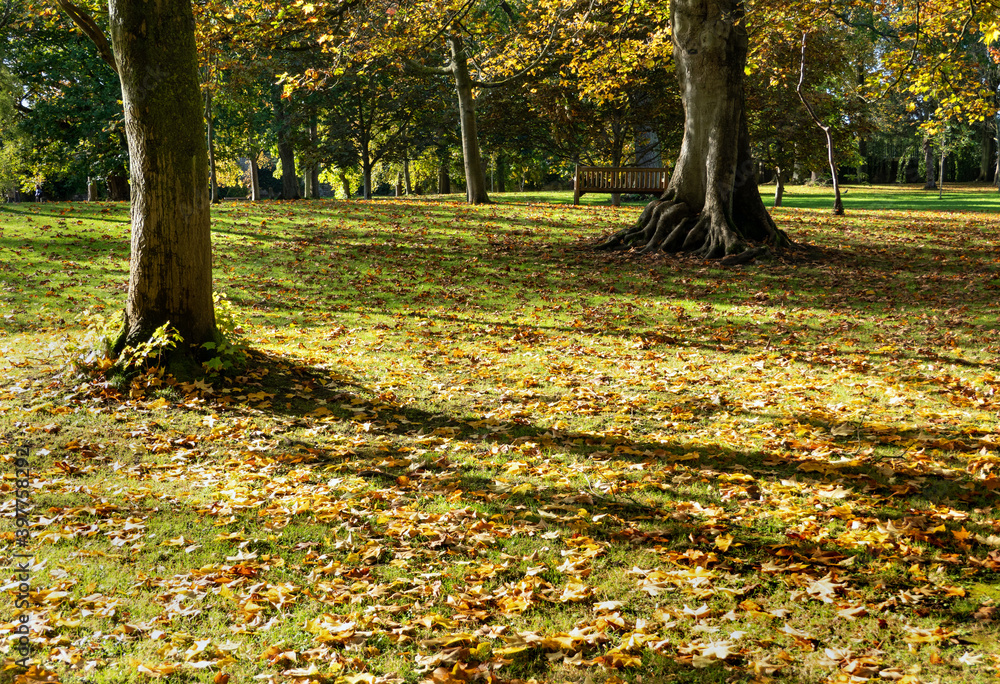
x=931, y=182
x=779, y=187
x=254, y=179
x=118, y=190
x=944, y=155
x=311, y=170
x=366, y=173
x=502, y=170
x=475, y=178
x=214, y=179
x=345, y=183
x=407, y=183
x=712, y=206
x=987, y=152
x=444, y=180
x=170, y=269
x=286, y=154
x=92, y=190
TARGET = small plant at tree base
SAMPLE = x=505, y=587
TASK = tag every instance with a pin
x=151, y=352
x=229, y=351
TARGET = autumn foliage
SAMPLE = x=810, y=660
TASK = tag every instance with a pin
x=464, y=451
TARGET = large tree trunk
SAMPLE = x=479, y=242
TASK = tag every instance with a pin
x=92, y=190
x=170, y=268
x=712, y=206
x=366, y=174
x=345, y=184
x=311, y=170
x=987, y=152
x=214, y=182
x=286, y=154
x=254, y=179
x=475, y=178
x=502, y=171
x=931, y=183
x=118, y=190
x=444, y=180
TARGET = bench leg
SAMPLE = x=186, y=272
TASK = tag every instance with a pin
x=576, y=197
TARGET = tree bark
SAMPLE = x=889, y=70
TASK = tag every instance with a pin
x=502, y=172
x=944, y=155
x=314, y=180
x=254, y=179
x=987, y=153
x=779, y=187
x=211, y=146
x=92, y=190
x=838, y=204
x=931, y=183
x=407, y=184
x=444, y=180
x=170, y=267
x=345, y=184
x=712, y=206
x=475, y=178
x=118, y=190
x=311, y=171
x=366, y=173
x=286, y=154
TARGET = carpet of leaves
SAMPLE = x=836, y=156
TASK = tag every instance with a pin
x=467, y=448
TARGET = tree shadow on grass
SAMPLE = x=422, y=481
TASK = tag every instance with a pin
x=672, y=524
x=898, y=488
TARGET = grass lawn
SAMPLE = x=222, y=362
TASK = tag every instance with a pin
x=468, y=448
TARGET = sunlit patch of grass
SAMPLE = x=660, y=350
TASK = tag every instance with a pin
x=450, y=403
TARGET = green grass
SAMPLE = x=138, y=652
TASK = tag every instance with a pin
x=462, y=432
x=955, y=198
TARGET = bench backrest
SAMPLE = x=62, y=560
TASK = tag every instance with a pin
x=623, y=179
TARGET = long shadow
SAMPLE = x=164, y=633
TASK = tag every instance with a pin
x=81, y=215
x=862, y=266
x=327, y=392
x=675, y=519
x=906, y=199
x=680, y=536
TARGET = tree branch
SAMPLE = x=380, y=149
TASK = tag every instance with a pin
x=87, y=24
x=522, y=72
x=838, y=205
x=423, y=70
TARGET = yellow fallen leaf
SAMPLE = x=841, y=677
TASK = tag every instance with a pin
x=723, y=542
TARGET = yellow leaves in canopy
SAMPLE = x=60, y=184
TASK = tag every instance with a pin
x=991, y=33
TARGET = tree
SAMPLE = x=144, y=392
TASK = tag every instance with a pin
x=712, y=206
x=69, y=112
x=370, y=111
x=243, y=117
x=170, y=268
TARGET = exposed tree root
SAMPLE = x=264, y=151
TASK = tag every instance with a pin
x=671, y=226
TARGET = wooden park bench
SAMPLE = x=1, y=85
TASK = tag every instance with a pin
x=618, y=180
